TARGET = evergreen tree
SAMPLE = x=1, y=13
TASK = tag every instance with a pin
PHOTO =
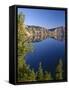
x=47, y=76
x=23, y=48
x=59, y=70
x=40, y=72
x=31, y=75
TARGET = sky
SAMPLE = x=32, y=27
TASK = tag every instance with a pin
x=44, y=18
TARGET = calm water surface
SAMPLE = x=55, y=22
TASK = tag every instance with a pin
x=48, y=52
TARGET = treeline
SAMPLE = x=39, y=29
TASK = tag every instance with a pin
x=25, y=73
x=28, y=74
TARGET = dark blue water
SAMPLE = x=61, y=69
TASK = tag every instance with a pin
x=48, y=52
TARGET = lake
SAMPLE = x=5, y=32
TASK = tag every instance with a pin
x=48, y=52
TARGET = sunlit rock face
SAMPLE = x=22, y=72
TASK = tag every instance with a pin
x=37, y=33
x=57, y=33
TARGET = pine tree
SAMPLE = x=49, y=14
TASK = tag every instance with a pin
x=31, y=75
x=23, y=48
x=22, y=37
x=59, y=70
x=47, y=76
x=40, y=73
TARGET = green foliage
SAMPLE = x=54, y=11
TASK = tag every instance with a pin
x=40, y=72
x=23, y=46
x=59, y=70
x=24, y=72
x=47, y=76
x=31, y=75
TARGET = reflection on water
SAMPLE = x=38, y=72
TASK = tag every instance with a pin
x=49, y=47
x=48, y=52
x=39, y=35
x=61, y=38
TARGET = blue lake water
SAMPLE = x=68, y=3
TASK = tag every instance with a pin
x=48, y=52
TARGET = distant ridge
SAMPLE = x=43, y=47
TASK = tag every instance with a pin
x=37, y=33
